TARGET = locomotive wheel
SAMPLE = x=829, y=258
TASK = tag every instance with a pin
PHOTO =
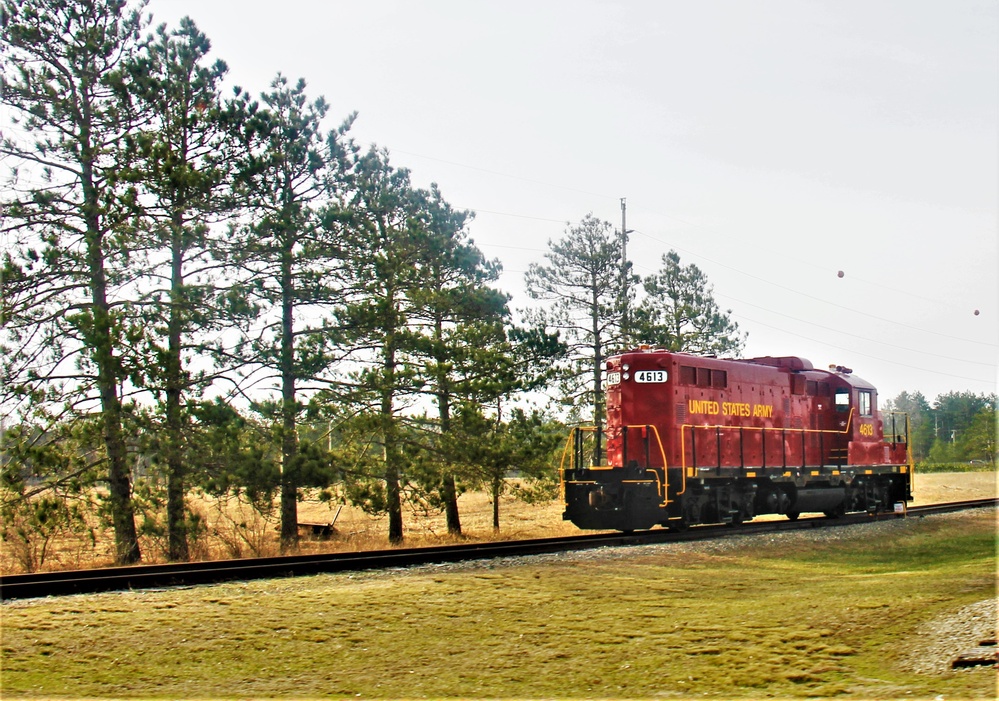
x=736, y=516
x=678, y=525
x=793, y=515
x=838, y=512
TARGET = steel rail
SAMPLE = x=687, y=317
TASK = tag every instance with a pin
x=65, y=582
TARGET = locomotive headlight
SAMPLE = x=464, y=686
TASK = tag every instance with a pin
x=626, y=367
x=626, y=376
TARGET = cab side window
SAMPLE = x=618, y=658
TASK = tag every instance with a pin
x=842, y=400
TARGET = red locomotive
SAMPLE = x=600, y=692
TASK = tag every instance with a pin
x=693, y=439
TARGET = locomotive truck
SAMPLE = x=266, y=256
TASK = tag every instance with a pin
x=692, y=439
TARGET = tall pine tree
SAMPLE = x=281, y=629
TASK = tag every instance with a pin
x=385, y=244
x=291, y=259
x=580, y=289
x=184, y=161
x=679, y=312
x=66, y=82
x=460, y=346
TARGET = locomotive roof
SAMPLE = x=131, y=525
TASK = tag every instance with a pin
x=789, y=363
x=796, y=364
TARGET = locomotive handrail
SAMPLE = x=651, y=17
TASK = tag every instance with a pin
x=894, y=432
x=662, y=451
x=908, y=443
x=561, y=465
x=911, y=463
x=662, y=485
x=719, y=427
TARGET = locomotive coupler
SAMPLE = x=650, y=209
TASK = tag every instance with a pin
x=600, y=498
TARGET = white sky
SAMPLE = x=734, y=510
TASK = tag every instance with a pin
x=773, y=143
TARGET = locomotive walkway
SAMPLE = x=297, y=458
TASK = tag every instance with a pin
x=191, y=573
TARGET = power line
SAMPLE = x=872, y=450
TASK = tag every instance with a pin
x=515, y=248
x=504, y=175
x=854, y=335
x=691, y=224
x=866, y=355
x=757, y=245
x=849, y=350
x=819, y=299
x=519, y=216
x=780, y=253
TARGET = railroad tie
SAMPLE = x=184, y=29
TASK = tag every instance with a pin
x=985, y=654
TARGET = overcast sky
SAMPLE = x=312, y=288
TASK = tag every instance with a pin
x=772, y=143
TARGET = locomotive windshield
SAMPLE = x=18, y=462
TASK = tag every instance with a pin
x=865, y=407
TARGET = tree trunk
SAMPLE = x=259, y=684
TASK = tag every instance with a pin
x=108, y=376
x=119, y=477
x=390, y=442
x=497, y=486
x=448, y=491
x=289, y=431
x=598, y=363
x=392, y=489
x=176, y=488
x=393, y=493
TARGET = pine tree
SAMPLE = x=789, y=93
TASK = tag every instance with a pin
x=291, y=259
x=461, y=345
x=580, y=286
x=679, y=312
x=384, y=244
x=66, y=82
x=182, y=171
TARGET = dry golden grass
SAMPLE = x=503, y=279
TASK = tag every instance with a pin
x=235, y=530
x=936, y=488
x=357, y=531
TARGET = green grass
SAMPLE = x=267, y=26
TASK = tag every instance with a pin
x=927, y=468
x=767, y=619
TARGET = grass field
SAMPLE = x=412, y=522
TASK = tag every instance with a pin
x=768, y=616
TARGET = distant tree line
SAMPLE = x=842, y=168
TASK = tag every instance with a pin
x=218, y=292
x=959, y=427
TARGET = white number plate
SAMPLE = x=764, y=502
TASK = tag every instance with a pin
x=646, y=376
x=613, y=378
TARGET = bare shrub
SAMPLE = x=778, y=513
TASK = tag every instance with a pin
x=150, y=505
x=243, y=526
x=32, y=525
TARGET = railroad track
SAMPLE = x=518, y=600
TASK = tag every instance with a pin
x=190, y=573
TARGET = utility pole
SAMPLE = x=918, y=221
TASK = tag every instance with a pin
x=624, y=272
